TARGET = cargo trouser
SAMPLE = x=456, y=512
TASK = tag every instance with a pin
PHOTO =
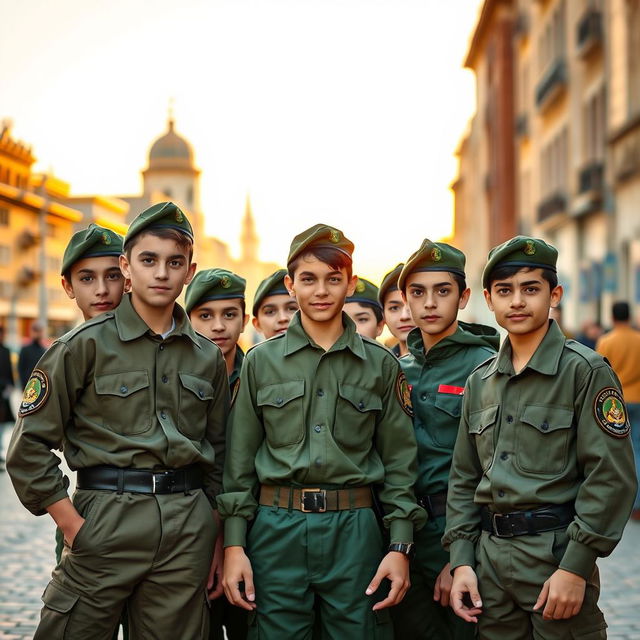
x=511, y=572
x=151, y=551
x=419, y=616
x=328, y=558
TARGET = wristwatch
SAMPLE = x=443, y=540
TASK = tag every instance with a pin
x=405, y=548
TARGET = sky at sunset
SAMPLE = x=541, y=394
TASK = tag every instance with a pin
x=341, y=111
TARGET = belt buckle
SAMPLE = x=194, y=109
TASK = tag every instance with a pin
x=161, y=482
x=313, y=501
x=494, y=526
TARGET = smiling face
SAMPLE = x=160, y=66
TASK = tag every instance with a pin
x=96, y=284
x=434, y=299
x=397, y=315
x=222, y=321
x=158, y=269
x=274, y=315
x=521, y=302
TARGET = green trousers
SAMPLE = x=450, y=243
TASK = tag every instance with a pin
x=511, y=572
x=418, y=616
x=152, y=552
x=329, y=558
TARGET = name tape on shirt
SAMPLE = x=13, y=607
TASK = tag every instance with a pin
x=448, y=388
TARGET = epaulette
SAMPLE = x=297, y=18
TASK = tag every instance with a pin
x=263, y=342
x=490, y=359
x=367, y=340
x=103, y=317
x=592, y=357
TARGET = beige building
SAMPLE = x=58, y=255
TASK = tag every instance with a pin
x=572, y=137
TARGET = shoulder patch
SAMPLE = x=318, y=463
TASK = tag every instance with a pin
x=35, y=393
x=403, y=393
x=610, y=413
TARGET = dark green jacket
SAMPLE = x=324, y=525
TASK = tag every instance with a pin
x=120, y=395
x=437, y=379
x=309, y=417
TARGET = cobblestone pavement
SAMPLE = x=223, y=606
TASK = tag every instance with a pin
x=27, y=558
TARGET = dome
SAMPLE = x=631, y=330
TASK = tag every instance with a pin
x=170, y=151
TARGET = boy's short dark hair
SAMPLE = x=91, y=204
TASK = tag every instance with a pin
x=181, y=239
x=620, y=311
x=377, y=311
x=508, y=271
x=335, y=258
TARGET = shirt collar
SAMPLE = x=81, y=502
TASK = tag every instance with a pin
x=296, y=337
x=131, y=326
x=545, y=359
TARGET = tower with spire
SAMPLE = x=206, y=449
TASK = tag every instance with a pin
x=249, y=241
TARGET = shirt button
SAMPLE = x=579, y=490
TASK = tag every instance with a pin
x=279, y=401
x=163, y=415
x=501, y=493
x=318, y=462
x=165, y=379
x=320, y=393
x=317, y=428
x=161, y=347
x=504, y=455
x=544, y=426
x=423, y=396
x=200, y=393
x=123, y=389
x=360, y=405
x=509, y=419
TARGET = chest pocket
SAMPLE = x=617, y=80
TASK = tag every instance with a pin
x=125, y=401
x=282, y=412
x=446, y=423
x=193, y=405
x=482, y=425
x=356, y=414
x=544, y=429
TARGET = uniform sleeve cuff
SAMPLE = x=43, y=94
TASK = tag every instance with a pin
x=462, y=553
x=401, y=531
x=579, y=559
x=56, y=497
x=235, y=532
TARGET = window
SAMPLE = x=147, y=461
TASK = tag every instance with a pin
x=5, y=254
x=4, y=217
x=593, y=127
x=554, y=159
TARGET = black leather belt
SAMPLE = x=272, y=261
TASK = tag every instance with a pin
x=522, y=523
x=435, y=505
x=106, y=478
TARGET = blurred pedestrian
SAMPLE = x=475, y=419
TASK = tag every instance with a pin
x=621, y=346
x=31, y=353
x=590, y=332
x=6, y=385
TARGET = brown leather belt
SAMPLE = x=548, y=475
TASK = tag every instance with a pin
x=312, y=500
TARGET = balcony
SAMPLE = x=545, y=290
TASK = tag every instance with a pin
x=552, y=85
x=552, y=205
x=522, y=126
x=591, y=177
x=589, y=32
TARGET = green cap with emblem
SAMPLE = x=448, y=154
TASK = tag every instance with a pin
x=365, y=293
x=389, y=283
x=320, y=235
x=270, y=286
x=92, y=242
x=164, y=215
x=520, y=251
x=213, y=284
x=433, y=256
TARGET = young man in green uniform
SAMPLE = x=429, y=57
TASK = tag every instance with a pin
x=273, y=307
x=396, y=312
x=543, y=479
x=442, y=353
x=216, y=307
x=138, y=402
x=320, y=418
x=364, y=308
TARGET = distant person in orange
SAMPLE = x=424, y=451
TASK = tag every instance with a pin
x=621, y=346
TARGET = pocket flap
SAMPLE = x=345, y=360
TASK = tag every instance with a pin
x=361, y=399
x=449, y=403
x=59, y=599
x=278, y=395
x=547, y=419
x=480, y=420
x=200, y=387
x=121, y=384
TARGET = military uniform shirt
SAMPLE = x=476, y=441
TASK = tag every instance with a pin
x=118, y=394
x=535, y=438
x=304, y=416
x=234, y=376
x=437, y=380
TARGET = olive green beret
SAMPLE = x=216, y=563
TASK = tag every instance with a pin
x=271, y=286
x=164, y=215
x=366, y=293
x=320, y=235
x=520, y=251
x=433, y=256
x=92, y=242
x=389, y=283
x=213, y=284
